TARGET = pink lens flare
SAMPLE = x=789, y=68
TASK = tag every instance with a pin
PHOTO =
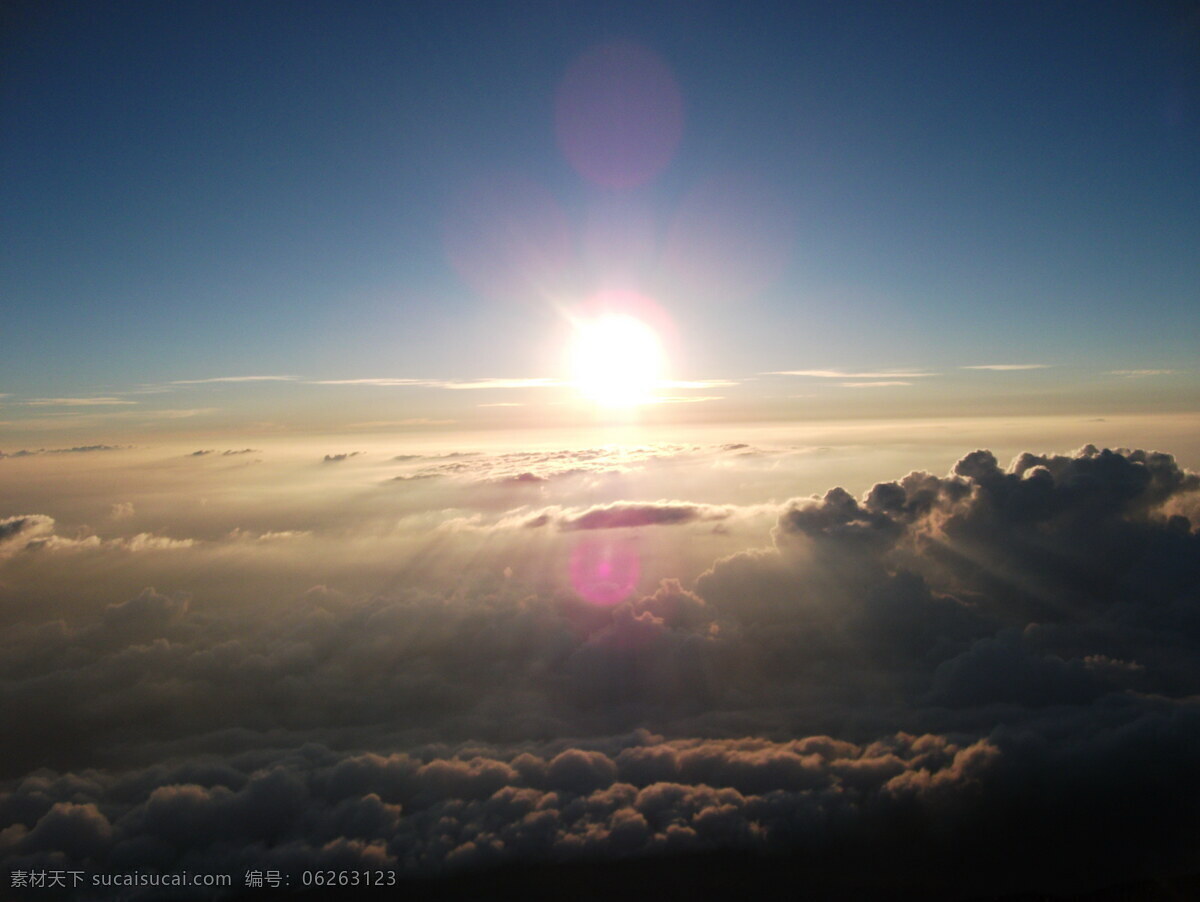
x=509, y=239
x=732, y=236
x=619, y=115
x=605, y=571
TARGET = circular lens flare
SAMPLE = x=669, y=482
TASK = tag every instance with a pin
x=616, y=360
x=605, y=572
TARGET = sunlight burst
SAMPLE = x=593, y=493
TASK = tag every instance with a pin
x=616, y=361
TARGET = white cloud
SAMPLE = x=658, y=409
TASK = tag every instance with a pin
x=1139, y=373
x=697, y=383
x=502, y=383
x=411, y=421
x=537, y=382
x=76, y=402
x=235, y=379
x=369, y=382
x=838, y=374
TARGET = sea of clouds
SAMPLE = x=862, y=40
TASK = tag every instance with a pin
x=222, y=662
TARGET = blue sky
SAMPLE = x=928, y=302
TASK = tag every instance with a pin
x=194, y=191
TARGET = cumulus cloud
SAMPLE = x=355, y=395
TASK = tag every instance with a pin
x=929, y=810
x=18, y=532
x=926, y=569
x=428, y=812
x=33, y=533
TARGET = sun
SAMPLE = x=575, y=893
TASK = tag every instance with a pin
x=616, y=360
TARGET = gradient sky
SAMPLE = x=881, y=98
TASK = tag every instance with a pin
x=319, y=547
x=202, y=191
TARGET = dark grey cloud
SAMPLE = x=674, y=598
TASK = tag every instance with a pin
x=926, y=570
x=919, y=805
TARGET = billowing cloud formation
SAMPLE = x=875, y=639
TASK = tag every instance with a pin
x=18, y=532
x=421, y=812
x=957, y=678
x=36, y=532
x=915, y=804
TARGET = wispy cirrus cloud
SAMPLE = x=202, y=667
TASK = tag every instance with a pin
x=1008, y=366
x=501, y=383
x=381, y=381
x=697, y=383
x=76, y=402
x=410, y=421
x=1136, y=374
x=838, y=374
x=537, y=382
x=234, y=379
x=882, y=384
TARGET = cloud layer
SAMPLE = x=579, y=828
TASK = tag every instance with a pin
x=978, y=669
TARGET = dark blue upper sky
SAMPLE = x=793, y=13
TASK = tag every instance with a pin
x=195, y=190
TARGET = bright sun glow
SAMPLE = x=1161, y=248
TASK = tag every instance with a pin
x=616, y=361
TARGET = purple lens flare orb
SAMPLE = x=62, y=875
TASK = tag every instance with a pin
x=508, y=238
x=619, y=115
x=605, y=571
x=731, y=237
